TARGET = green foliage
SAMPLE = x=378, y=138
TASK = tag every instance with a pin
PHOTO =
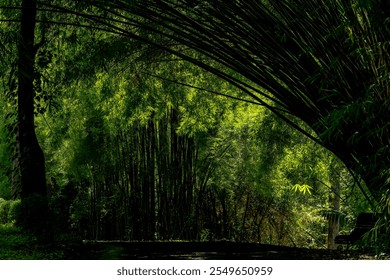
x=345, y=40
x=204, y=235
x=17, y=245
x=143, y=145
x=5, y=154
x=9, y=211
x=245, y=167
x=13, y=211
x=305, y=189
x=4, y=210
x=378, y=239
x=333, y=215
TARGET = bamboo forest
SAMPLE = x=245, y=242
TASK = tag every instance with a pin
x=192, y=122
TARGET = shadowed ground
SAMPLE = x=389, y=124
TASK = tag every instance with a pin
x=119, y=250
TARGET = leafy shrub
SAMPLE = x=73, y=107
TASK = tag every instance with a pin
x=8, y=210
x=204, y=235
x=4, y=209
x=4, y=187
x=14, y=210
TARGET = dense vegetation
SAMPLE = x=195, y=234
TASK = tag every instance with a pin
x=142, y=121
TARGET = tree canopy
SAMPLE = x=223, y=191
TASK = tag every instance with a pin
x=325, y=63
x=128, y=101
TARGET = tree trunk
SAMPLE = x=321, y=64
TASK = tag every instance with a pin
x=31, y=158
x=334, y=201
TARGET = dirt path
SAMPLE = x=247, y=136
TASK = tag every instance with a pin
x=116, y=250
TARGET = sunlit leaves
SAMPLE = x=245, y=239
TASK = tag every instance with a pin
x=304, y=189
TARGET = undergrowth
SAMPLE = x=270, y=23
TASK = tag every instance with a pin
x=17, y=245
